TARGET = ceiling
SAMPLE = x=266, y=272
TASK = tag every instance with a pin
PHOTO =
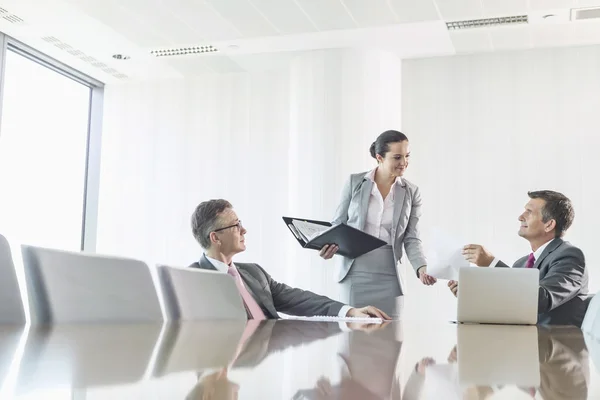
x=262, y=34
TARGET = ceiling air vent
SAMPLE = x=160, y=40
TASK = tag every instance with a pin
x=585, y=13
x=83, y=57
x=182, y=51
x=12, y=18
x=487, y=22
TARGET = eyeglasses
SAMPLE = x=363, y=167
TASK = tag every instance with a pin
x=238, y=225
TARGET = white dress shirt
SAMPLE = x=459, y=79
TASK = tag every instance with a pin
x=222, y=267
x=536, y=254
x=380, y=211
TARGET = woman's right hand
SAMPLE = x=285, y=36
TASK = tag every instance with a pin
x=328, y=251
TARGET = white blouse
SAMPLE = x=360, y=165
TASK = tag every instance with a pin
x=380, y=211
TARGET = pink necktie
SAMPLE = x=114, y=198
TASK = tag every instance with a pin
x=530, y=261
x=252, y=305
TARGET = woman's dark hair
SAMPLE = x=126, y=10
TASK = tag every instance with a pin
x=382, y=144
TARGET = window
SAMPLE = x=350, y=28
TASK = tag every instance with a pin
x=43, y=154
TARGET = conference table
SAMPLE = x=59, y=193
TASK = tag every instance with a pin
x=295, y=359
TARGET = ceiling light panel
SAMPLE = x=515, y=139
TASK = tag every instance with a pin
x=487, y=22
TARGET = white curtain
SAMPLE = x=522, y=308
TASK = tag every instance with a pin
x=275, y=143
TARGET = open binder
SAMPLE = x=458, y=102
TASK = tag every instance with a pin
x=314, y=235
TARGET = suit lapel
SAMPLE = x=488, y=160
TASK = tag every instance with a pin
x=205, y=264
x=254, y=287
x=365, y=194
x=399, y=195
x=553, y=245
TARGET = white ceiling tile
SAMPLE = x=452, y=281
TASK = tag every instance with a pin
x=504, y=8
x=161, y=19
x=550, y=4
x=587, y=3
x=205, y=20
x=456, y=10
x=371, y=13
x=327, y=14
x=511, y=37
x=285, y=15
x=122, y=21
x=415, y=11
x=471, y=41
x=244, y=17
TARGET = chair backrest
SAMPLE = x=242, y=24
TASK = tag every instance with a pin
x=591, y=321
x=66, y=287
x=12, y=310
x=194, y=294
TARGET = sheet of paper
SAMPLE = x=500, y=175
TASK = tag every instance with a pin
x=366, y=320
x=445, y=257
x=308, y=230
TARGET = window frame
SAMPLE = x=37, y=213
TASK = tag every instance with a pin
x=91, y=191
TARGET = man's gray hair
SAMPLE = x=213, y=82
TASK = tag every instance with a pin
x=205, y=219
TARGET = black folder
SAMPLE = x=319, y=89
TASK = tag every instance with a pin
x=352, y=242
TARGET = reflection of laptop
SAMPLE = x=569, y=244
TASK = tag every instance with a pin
x=498, y=295
x=498, y=355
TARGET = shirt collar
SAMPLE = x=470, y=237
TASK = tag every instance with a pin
x=371, y=176
x=219, y=265
x=541, y=249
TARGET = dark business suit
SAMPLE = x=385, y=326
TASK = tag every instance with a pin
x=563, y=292
x=274, y=297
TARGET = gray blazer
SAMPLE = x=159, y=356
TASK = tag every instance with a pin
x=352, y=211
x=273, y=296
x=563, y=292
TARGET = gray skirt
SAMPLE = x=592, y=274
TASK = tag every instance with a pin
x=373, y=281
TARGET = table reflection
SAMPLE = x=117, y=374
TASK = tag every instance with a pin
x=367, y=362
x=490, y=361
x=295, y=360
x=83, y=356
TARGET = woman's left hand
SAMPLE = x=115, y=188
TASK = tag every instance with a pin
x=426, y=279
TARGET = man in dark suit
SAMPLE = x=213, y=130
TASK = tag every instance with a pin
x=563, y=292
x=219, y=231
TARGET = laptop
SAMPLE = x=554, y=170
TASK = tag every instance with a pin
x=498, y=295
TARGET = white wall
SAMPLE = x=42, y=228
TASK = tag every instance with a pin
x=485, y=129
x=274, y=143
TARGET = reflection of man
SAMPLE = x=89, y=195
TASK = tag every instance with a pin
x=215, y=386
x=564, y=368
x=368, y=368
x=564, y=363
x=261, y=339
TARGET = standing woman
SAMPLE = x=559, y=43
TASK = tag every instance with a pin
x=383, y=204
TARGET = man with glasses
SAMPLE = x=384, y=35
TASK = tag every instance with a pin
x=220, y=233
